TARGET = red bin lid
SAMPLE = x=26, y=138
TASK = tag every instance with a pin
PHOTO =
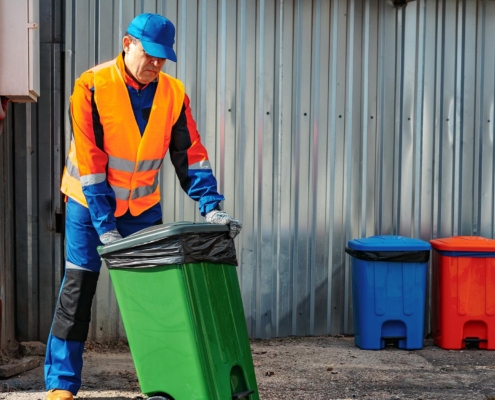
x=464, y=243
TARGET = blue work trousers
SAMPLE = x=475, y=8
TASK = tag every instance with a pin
x=63, y=362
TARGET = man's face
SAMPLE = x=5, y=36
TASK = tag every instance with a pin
x=142, y=66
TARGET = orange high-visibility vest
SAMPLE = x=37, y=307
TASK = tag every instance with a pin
x=133, y=160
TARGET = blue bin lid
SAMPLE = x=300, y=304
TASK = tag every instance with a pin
x=388, y=243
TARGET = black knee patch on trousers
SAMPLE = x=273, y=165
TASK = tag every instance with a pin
x=73, y=312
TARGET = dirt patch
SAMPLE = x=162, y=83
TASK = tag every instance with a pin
x=302, y=368
x=333, y=368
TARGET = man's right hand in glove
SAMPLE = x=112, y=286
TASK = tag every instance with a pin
x=222, y=218
x=110, y=236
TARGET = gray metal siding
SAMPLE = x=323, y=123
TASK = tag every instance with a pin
x=26, y=219
x=325, y=121
x=31, y=221
x=7, y=245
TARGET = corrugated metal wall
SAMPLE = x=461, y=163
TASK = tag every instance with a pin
x=325, y=121
x=7, y=245
x=31, y=206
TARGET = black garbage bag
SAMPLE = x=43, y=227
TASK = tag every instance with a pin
x=419, y=256
x=195, y=245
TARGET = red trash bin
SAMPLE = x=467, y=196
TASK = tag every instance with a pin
x=463, y=292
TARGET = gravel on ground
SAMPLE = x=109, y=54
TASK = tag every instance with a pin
x=325, y=367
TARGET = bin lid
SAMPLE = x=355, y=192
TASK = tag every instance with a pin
x=160, y=232
x=388, y=243
x=464, y=243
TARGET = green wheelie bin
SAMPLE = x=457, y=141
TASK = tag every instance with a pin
x=178, y=293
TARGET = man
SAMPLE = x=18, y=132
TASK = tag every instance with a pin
x=126, y=114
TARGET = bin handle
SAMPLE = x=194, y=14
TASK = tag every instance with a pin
x=242, y=395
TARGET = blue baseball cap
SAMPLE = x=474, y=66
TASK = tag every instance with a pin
x=156, y=33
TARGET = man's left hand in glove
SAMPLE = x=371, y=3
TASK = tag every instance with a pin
x=110, y=236
x=222, y=218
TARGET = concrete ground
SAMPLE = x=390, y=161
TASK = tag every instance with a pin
x=302, y=368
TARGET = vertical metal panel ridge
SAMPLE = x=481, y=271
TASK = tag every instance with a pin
x=278, y=183
x=380, y=120
x=427, y=123
x=444, y=99
x=332, y=143
x=26, y=221
x=458, y=115
x=321, y=250
x=348, y=169
x=258, y=138
x=266, y=150
x=49, y=165
x=314, y=234
x=408, y=70
x=7, y=245
x=338, y=177
x=418, y=171
x=223, y=94
x=480, y=73
x=97, y=29
x=303, y=160
x=486, y=114
x=285, y=187
x=248, y=179
x=295, y=166
x=242, y=116
x=435, y=121
x=365, y=113
x=468, y=178
x=490, y=111
x=399, y=115
x=372, y=139
x=203, y=25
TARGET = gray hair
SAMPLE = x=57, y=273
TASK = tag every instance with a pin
x=133, y=39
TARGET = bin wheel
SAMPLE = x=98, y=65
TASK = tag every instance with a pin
x=160, y=397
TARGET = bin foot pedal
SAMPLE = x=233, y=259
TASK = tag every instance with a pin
x=392, y=340
x=473, y=342
x=242, y=395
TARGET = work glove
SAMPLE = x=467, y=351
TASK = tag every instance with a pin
x=222, y=218
x=110, y=236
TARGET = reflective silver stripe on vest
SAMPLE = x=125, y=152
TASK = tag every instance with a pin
x=72, y=170
x=145, y=190
x=205, y=164
x=69, y=265
x=149, y=165
x=92, y=179
x=121, y=164
x=121, y=193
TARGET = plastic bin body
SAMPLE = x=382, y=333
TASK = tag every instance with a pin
x=389, y=296
x=463, y=292
x=186, y=330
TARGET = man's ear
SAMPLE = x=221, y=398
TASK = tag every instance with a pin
x=126, y=42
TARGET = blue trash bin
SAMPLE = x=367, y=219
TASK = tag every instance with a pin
x=389, y=291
